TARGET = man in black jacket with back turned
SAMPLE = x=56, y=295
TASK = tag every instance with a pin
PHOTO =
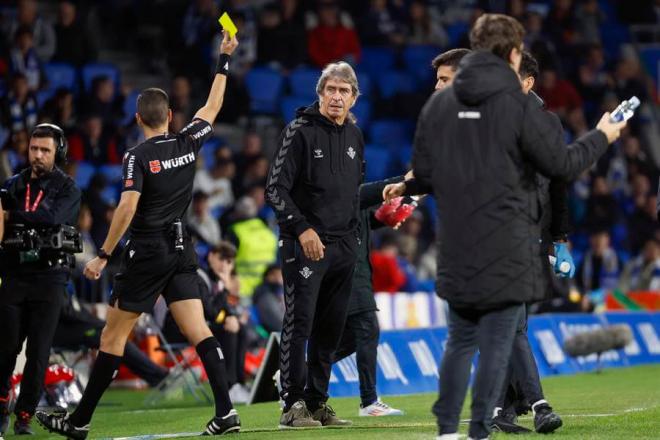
x=479, y=145
x=313, y=187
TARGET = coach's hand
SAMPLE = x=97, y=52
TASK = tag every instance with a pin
x=611, y=129
x=393, y=190
x=228, y=45
x=94, y=267
x=311, y=244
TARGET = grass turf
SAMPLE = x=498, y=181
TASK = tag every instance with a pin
x=615, y=404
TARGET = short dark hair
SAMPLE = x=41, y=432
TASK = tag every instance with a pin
x=46, y=132
x=224, y=249
x=450, y=58
x=528, y=66
x=153, y=106
x=497, y=33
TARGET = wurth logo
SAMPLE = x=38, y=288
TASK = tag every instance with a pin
x=179, y=161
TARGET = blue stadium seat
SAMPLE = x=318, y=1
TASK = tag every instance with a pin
x=43, y=96
x=455, y=31
x=130, y=108
x=362, y=111
x=302, y=82
x=60, y=75
x=265, y=87
x=376, y=59
x=650, y=57
x=84, y=173
x=392, y=82
x=391, y=132
x=92, y=70
x=364, y=83
x=378, y=161
x=403, y=156
x=111, y=172
x=208, y=151
x=417, y=61
x=111, y=194
x=290, y=104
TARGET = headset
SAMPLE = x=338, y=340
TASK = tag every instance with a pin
x=61, y=146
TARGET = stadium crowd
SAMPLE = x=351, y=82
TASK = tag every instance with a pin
x=52, y=72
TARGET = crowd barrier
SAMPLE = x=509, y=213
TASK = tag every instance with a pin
x=408, y=358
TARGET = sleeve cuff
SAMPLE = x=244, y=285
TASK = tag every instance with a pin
x=301, y=227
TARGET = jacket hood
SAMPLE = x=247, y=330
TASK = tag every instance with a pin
x=482, y=75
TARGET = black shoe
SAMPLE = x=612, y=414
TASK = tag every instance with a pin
x=224, y=425
x=546, y=421
x=59, y=424
x=504, y=424
x=22, y=424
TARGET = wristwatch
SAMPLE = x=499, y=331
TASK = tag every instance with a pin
x=103, y=254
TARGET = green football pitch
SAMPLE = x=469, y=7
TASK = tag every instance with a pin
x=614, y=404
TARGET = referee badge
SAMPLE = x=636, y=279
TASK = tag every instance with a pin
x=154, y=166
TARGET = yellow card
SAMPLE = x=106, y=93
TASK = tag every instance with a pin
x=228, y=25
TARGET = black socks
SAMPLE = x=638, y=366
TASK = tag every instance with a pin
x=210, y=353
x=105, y=369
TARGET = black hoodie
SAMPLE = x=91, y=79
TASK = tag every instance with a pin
x=315, y=175
x=480, y=144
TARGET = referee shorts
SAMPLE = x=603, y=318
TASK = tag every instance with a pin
x=151, y=267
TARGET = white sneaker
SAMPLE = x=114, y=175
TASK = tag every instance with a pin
x=239, y=394
x=453, y=436
x=379, y=408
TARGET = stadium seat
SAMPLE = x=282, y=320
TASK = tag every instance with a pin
x=402, y=155
x=130, y=108
x=375, y=60
x=455, y=31
x=302, y=82
x=265, y=87
x=392, y=82
x=92, y=70
x=84, y=173
x=362, y=111
x=390, y=132
x=43, y=96
x=60, y=75
x=290, y=104
x=417, y=61
x=650, y=57
x=208, y=151
x=378, y=160
x=111, y=172
x=364, y=83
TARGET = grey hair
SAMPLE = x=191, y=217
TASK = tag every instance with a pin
x=341, y=71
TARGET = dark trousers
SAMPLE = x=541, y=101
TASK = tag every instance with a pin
x=29, y=308
x=316, y=302
x=234, y=347
x=361, y=334
x=523, y=385
x=492, y=332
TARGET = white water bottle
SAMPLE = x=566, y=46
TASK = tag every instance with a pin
x=625, y=110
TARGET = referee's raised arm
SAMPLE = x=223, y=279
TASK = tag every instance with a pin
x=213, y=104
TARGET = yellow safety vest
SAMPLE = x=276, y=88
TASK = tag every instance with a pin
x=257, y=248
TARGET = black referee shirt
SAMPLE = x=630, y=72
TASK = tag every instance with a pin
x=162, y=169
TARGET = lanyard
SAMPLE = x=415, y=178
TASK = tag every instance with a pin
x=36, y=202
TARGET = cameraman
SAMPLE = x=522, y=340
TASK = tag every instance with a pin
x=33, y=282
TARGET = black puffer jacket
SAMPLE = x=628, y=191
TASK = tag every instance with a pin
x=315, y=175
x=479, y=144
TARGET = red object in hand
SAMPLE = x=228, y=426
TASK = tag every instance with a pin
x=387, y=209
x=402, y=213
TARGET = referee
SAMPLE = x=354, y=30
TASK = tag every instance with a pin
x=158, y=259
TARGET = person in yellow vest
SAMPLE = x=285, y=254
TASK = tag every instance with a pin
x=256, y=244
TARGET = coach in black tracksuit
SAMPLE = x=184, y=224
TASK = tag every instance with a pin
x=313, y=188
x=479, y=143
